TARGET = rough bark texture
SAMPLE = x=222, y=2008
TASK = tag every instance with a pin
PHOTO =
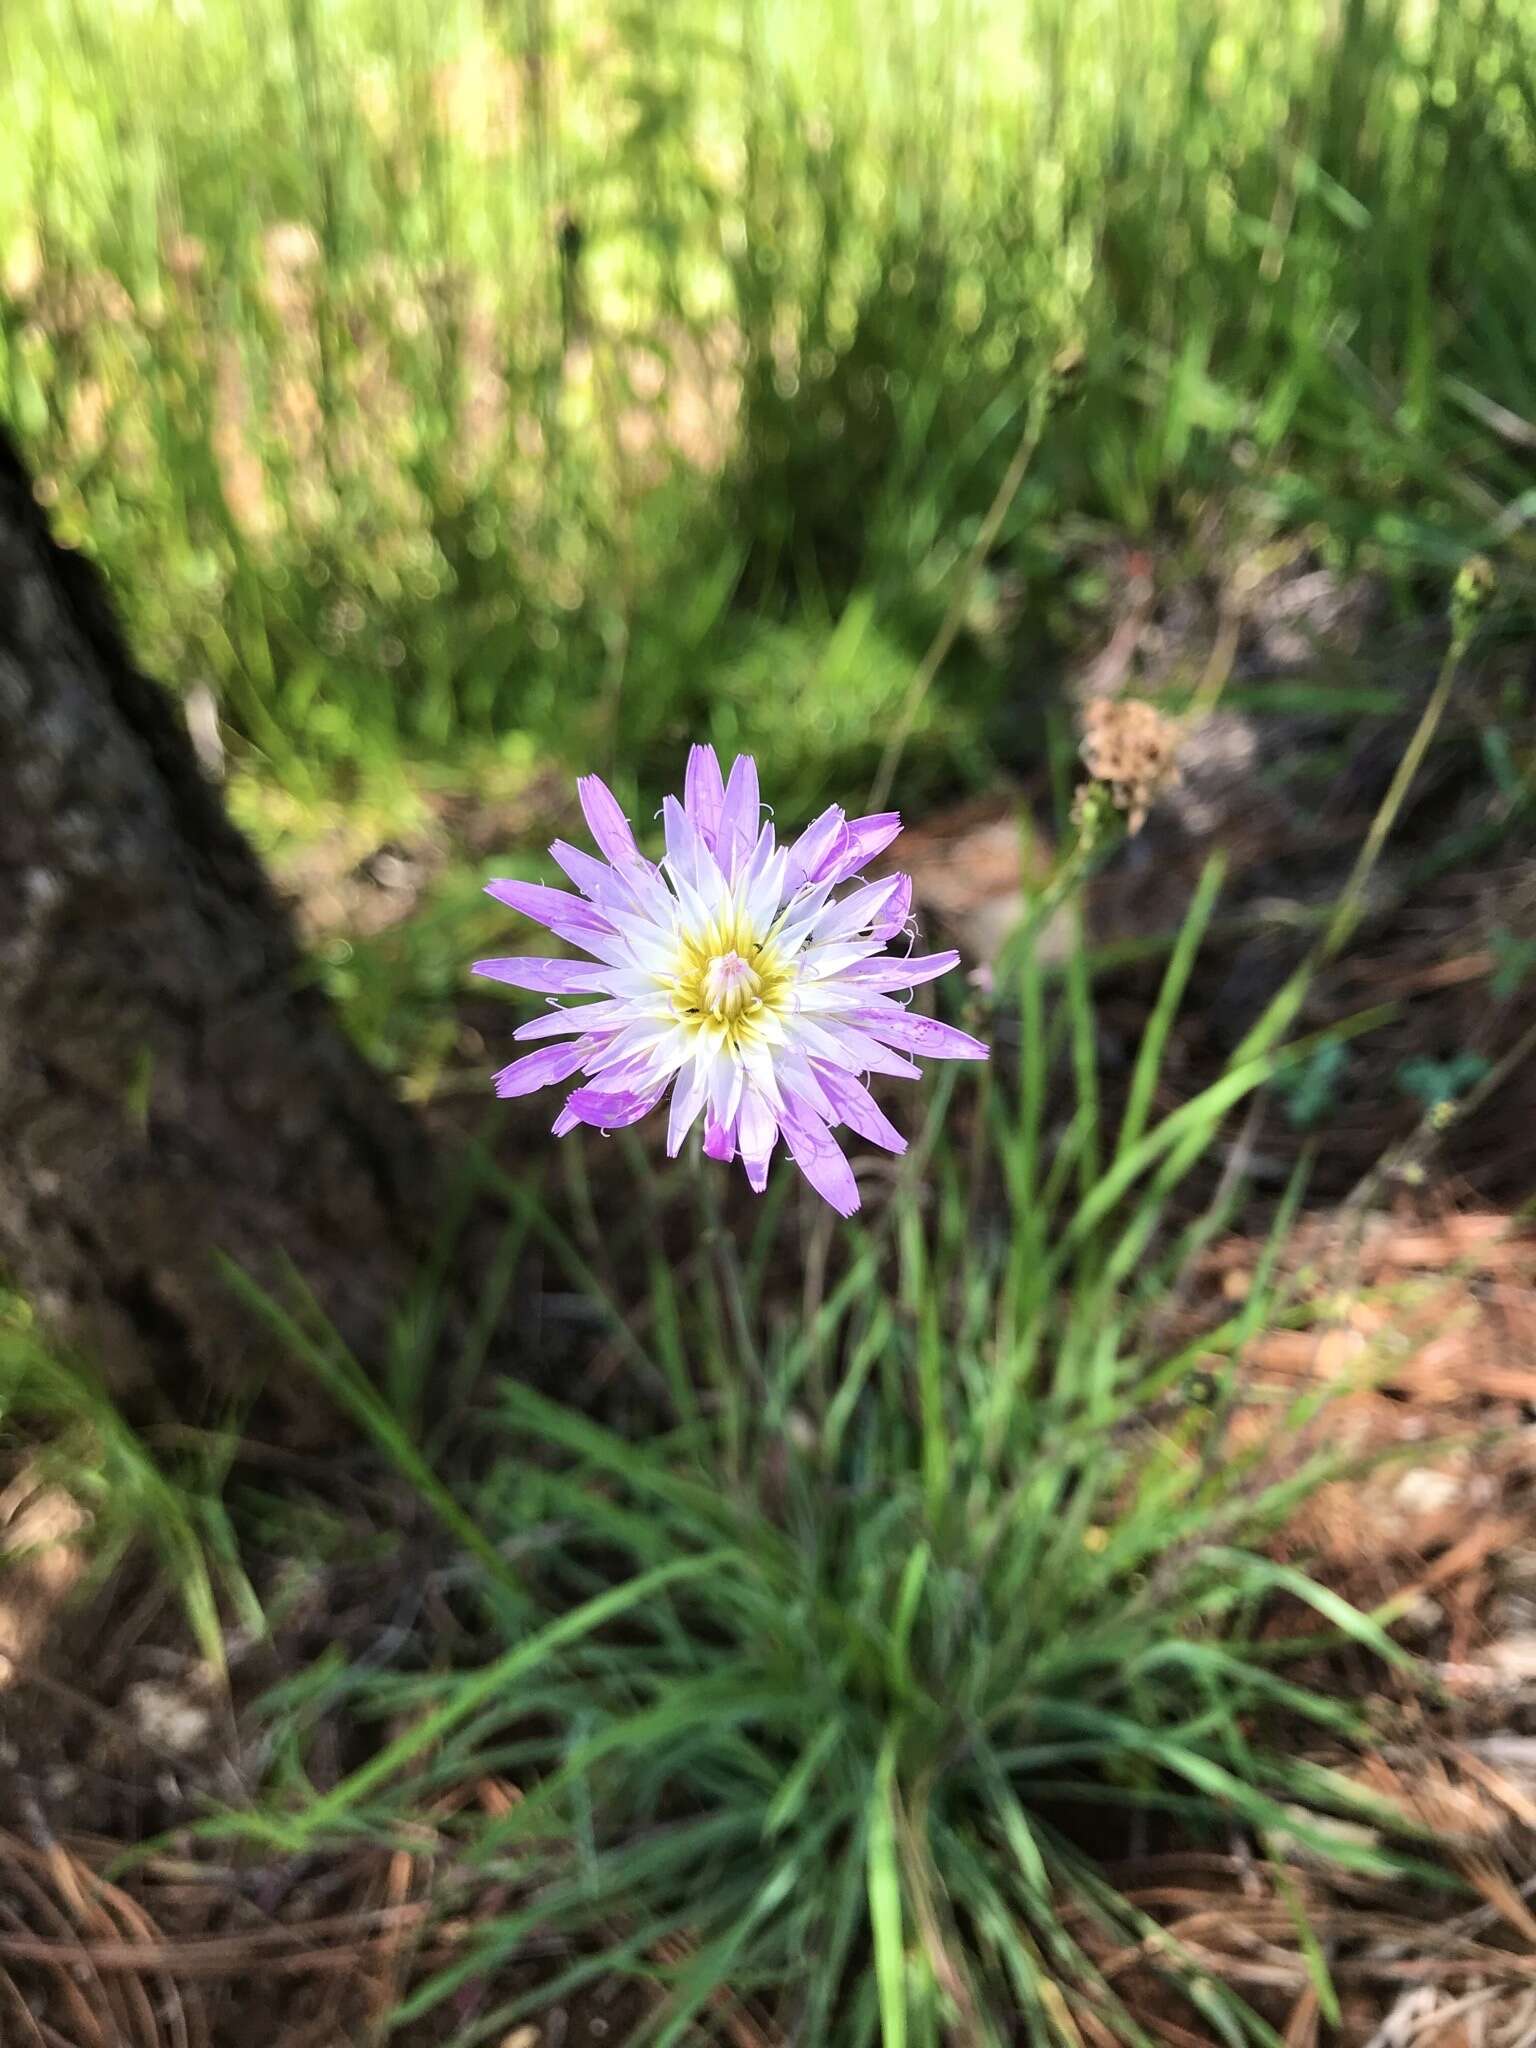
x=171, y=1086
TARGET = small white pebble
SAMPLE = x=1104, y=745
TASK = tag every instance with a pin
x=1423, y=1617
x=167, y=1716
x=1425, y=1491
x=1515, y=1657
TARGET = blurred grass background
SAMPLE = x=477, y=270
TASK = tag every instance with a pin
x=455, y=391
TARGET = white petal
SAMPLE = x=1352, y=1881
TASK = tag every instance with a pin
x=822, y=959
x=861, y=909
x=756, y=1135
x=801, y=919
x=560, y=1022
x=844, y=1045
x=757, y=1062
x=687, y=1100
x=725, y=1085
x=761, y=886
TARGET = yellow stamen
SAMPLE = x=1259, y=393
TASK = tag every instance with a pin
x=730, y=987
x=727, y=981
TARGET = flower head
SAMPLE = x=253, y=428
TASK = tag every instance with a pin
x=741, y=974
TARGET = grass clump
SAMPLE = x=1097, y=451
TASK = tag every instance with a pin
x=940, y=1586
x=846, y=1755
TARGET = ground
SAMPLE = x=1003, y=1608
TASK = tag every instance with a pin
x=115, y=1732
x=1420, y=1281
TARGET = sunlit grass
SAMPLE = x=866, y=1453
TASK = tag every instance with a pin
x=434, y=380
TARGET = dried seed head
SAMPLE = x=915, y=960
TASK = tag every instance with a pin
x=1131, y=748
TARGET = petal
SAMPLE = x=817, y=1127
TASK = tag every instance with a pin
x=889, y=1022
x=594, y=878
x=569, y=918
x=800, y=1089
x=552, y=977
x=644, y=1052
x=740, y=818
x=541, y=1069
x=859, y=910
x=798, y=925
x=690, y=862
x=817, y=847
x=638, y=987
x=826, y=964
x=560, y=1022
x=629, y=1074
x=605, y=821
x=858, y=1109
x=898, y=970
x=552, y=907
x=634, y=943
x=704, y=794
x=865, y=838
x=719, y=1140
x=896, y=913
x=757, y=1132
x=758, y=1069
x=879, y=1059
x=726, y=1080
x=687, y=1100
x=841, y=1044
x=811, y=1147
x=610, y=1109
x=638, y=891
x=760, y=884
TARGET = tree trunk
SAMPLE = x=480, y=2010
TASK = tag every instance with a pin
x=172, y=1084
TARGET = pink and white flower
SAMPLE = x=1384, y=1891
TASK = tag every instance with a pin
x=741, y=974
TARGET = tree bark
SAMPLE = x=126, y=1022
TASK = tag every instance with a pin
x=172, y=1084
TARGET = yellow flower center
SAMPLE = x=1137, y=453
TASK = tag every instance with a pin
x=729, y=982
x=729, y=987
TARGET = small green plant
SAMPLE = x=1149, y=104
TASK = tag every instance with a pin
x=1434, y=1082
x=1309, y=1091
x=820, y=1688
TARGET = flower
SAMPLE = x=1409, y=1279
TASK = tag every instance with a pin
x=740, y=974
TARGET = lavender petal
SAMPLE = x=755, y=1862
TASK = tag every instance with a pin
x=541, y=1069
x=549, y=977
x=605, y=820
x=811, y=1147
x=704, y=794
